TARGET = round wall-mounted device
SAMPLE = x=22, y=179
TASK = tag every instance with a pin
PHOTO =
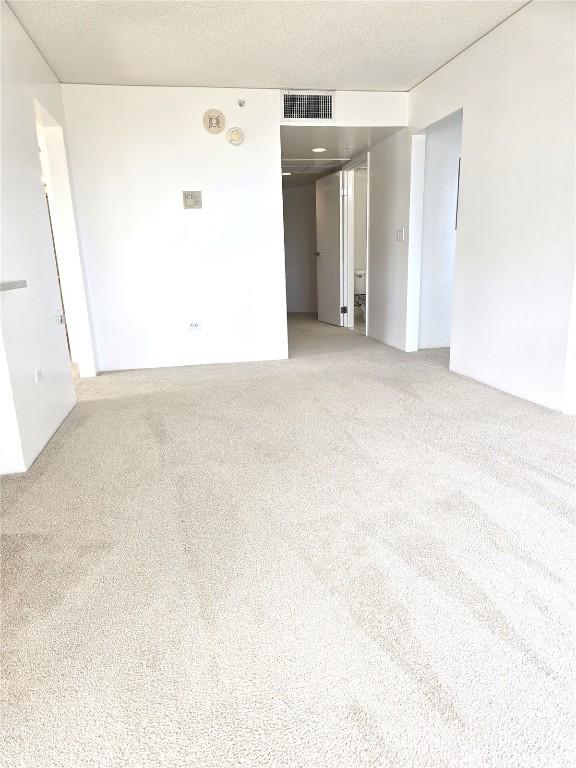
x=214, y=121
x=235, y=136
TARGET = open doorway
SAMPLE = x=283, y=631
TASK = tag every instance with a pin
x=439, y=231
x=74, y=313
x=61, y=315
x=359, y=240
x=332, y=161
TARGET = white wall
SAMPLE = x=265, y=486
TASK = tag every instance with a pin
x=11, y=456
x=153, y=267
x=438, y=231
x=396, y=168
x=570, y=372
x=514, y=270
x=389, y=212
x=300, y=245
x=32, y=335
x=360, y=231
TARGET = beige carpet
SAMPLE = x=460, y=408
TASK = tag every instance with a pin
x=352, y=558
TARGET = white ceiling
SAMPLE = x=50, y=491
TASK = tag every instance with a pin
x=341, y=144
x=353, y=45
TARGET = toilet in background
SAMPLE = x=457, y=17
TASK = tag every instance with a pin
x=360, y=294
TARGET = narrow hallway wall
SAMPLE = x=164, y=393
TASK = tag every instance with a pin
x=439, y=231
x=299, y=246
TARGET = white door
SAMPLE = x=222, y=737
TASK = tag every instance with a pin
x=329, y=248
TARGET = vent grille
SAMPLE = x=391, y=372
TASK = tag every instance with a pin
x=307, y=106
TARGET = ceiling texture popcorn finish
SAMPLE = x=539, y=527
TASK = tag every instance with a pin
x=378, y=45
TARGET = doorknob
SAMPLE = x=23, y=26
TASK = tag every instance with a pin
x=317, y=253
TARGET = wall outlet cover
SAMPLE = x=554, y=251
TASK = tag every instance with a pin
x=38, y=375
x=195, y=325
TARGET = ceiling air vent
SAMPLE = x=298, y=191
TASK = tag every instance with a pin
x=307, y=106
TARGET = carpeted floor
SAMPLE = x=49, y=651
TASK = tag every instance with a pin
x=351, y=558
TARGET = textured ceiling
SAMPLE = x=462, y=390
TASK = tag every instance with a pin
x=327, y=44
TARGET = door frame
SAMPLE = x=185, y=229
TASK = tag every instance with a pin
x=342, y=321
x=55, y=179
x=348, y=237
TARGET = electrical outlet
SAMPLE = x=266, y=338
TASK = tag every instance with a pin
x=195, y=325
x=400, y=235
x=38, y=375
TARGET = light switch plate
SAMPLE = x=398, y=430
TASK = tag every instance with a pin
x=192, y=199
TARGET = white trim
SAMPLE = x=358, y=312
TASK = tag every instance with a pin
x=55, y=167
x=348, y=215
x=366, y=316
x=348, y=247
x=344, y=227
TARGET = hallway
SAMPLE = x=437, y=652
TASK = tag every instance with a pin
x=350, y=558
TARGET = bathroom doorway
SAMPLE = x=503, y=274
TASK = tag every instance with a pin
x=356, y=241
x=360, y=246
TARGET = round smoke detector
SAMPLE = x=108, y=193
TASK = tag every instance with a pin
x=214, y=121
x=235, y=136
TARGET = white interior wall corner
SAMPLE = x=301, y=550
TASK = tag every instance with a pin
x=54, y=162
x=443, y=140
x=32, y=336
x=389, y=211
x=414, y=234
x=515, y=253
